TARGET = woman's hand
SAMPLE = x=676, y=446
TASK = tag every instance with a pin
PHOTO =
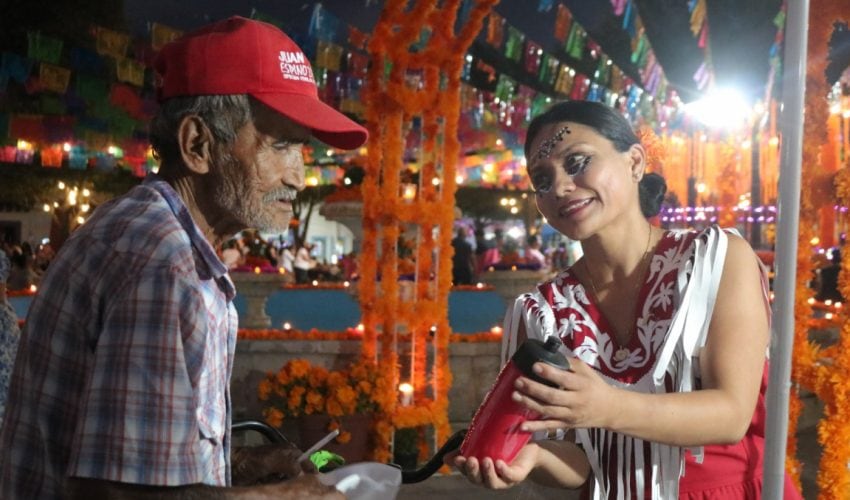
x=581, y=400
x=498, y=475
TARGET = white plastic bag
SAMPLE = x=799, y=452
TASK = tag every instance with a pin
x=365, y=481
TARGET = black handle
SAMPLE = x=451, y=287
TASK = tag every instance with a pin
x=407, y=476
x=263, y=428
x=434, y=464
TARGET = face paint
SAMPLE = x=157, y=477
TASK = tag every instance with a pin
x=546, y=148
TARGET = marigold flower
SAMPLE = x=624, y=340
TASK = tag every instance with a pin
x=344, y=437
x=264, y=389
x=299, y=368
x=314, y=399
x=274, y=417
x=334, y=409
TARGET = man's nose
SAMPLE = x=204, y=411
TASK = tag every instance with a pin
x=295, y=173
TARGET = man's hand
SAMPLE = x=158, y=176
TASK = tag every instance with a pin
x=266, y=464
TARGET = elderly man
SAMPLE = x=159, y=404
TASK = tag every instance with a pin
x=121, y=386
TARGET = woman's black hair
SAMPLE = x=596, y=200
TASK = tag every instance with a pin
x=610, y=124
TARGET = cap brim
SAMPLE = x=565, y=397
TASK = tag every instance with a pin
x=327, y=124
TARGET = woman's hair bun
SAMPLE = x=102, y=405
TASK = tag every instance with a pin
x=651, y=189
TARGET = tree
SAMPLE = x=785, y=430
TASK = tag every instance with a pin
x=302, y=208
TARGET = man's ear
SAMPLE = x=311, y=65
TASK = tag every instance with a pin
x=637, y=161
x=195, y=142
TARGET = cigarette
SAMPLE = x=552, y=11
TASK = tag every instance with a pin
x=316, y=447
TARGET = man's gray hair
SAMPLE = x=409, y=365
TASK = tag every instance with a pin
x=223, y=114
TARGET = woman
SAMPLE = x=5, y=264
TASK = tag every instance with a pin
x=667, y=332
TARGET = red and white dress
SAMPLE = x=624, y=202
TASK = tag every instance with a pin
x=672, y=319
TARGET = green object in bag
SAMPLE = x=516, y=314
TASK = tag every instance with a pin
x=323, y=458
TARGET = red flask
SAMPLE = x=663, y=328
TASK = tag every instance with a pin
x=495, y=429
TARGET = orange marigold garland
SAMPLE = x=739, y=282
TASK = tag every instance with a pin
x=656, y=152
x=830, y=383
x=403, y=83
x=727, y=186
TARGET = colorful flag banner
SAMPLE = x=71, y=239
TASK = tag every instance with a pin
x=357, y=64
x=130, y=71
x=78, y=159
x=697, y=16
x=539, y=104
x=126, y=98
x=54, y=78
x=324, y=25
x=162, y=34
x=549, y=69
x=629, y=19
x=565, y=81
x=618, y=82
x=16, y=67
x=28, y=127
x=112, y=43
x=563, y=22
x=505, y=88
x=545, y=5
x=495, y=29
x=703, y=36
x=581, y=85
x=357, y=39
x=7, y=154
x=533, y=54
x=639, y=48
x=25, y=156
x=51, y=157
x=328, y=55
x=619, y=6
x=43, y=48
x=514, y=44
x=603, y=70
x=576, y=41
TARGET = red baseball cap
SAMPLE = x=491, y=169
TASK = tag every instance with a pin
x=244, y=56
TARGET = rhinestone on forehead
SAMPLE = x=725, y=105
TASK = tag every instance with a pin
x=549, y=144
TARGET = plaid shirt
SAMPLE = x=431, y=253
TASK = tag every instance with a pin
x=124, y=365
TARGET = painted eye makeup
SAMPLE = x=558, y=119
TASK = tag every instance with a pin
x=541, y=182
x=574, y=165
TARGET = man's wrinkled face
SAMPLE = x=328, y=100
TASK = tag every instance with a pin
x=258, y=176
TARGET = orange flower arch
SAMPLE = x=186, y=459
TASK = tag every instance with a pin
x=406, y=80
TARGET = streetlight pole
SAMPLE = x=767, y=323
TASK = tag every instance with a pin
x=794, y=88
x=755, y=183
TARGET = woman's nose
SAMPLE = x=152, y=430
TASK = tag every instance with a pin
x=564, y=184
